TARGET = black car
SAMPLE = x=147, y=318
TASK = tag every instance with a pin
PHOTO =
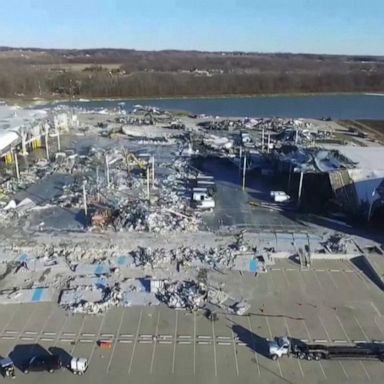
x=41, y=363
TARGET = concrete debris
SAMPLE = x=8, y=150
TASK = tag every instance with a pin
x=222, y=257
x=182, y=294
x=336, y=243
x=170, y=194
x=92, y=299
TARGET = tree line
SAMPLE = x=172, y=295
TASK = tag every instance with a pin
x=172, y=73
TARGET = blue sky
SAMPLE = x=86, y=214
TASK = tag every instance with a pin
x=318, y=26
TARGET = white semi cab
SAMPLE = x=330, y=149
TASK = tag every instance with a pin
x=79, y=365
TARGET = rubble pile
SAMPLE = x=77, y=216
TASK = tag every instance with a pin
x=223, y=257
x=182, y=294
x=140, y=216
x=80, y=300
x=336, y=243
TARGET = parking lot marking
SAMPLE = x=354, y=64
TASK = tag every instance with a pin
x=95, y=344
x=194, y=343
x=154, y=342
x=325, y=330
x=115, y=341
x=41, y=333
x=19, y=337
x=345, y=372
x=333, y=280
x=174, y=343
x=289, y=334
x=214, y=346
x=59, y=333
x=49, y=333
x=269, y=328
x=254, y=345
x=235, y=355
x=378, y=325
x=78, y=336
x=271, y=336
x=348, y=278
x=9, y=322
x=286, y=278
x=375, y=309
x=361, y=328
x=322, y=369
x=365, y=370
x=342, y=327
x=135, y=342
x=360, y=275
x=306, y=328
x=27, y=338
x=318, y=280
x=8, y=337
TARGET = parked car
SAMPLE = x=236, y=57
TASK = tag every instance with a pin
x=39, y=363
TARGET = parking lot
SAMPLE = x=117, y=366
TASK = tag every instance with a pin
x=233, y=207
x=155, y=344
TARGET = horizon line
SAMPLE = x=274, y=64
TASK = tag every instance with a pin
x=35, y=48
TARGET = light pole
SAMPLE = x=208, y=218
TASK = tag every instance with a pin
x=16, y=164
x=244, y=170
x=300, y=188
x=85, y=198
x=371, y=205
x=107, y=169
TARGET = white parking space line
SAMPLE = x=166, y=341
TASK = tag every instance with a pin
x=325, y=329
x=375, y=309
x=342, y=327
x=310, y=338
x=235, y=354
x=174, y=343
x=254, y=346
x=365, y=370
x=214, y=346
x=345, y=372
x=155, y=342
x=306, y=328
x=380, y=326
x=361, y=328
x=9, y=321
x=318, y=280
x=95, y=341
x=135, y=342
x=322, y=370
x=271, y=336
x=77, y=337
x=289, y=334
x=19, y=336
x=360, y=275
x=46, y=322
x=332, y=279
x=286, y=278
x=350, y=285
x=58, y=335
x=269, y=327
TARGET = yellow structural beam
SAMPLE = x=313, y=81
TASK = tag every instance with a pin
x=9, y=159
x=36, y=143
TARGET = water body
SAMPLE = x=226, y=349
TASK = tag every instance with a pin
x=359, y=106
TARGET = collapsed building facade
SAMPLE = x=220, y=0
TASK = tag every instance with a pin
x=350, y=177
x=25, y=129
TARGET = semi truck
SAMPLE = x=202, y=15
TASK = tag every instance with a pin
x=286, y=346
